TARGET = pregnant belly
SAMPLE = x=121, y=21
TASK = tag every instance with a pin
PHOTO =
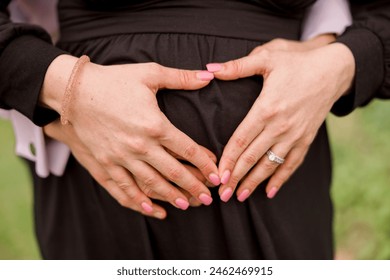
x=210, y=115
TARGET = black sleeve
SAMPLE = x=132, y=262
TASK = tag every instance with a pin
x=26, y=52
x=369, y=40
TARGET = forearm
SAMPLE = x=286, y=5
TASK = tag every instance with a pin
x=368, y=39
x=25, y=54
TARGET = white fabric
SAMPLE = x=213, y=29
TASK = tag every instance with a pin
x=325, y=16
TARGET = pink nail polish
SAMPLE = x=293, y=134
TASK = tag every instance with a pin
x=205, y=199
x=214, y=178
x=147, y=207
x=183, y=205
x=225, y=177
x=226, y=195
x=243, y=196
x=205, y=76
x=213, y=67
x=271, y=194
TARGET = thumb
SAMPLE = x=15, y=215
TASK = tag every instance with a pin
x=172, y=78
x=253, y=64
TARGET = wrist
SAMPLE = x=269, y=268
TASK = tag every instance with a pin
x=55, y=82
x=345, y=60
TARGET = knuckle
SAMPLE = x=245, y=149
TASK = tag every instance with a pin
x=155, y=128
x=269, y=167
x=237, y=67
x=241, y=142
x=269, y=112
x=229, y=160
x=169, y=194
x=174, y=174
x=123, y=186
x=184, y=77
x=148, y=192
x=137, y=146
x=150, y=182
x=250, y=158
x=283, y=128
x=251, y=183
x=190, y=151
x=104, y=160
x=234, y=180
x=193, y=188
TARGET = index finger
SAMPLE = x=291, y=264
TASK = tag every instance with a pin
x=243, y=136
x=182, y=145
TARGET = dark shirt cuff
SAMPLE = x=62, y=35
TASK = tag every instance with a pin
x=23, y=65
x=368, y=51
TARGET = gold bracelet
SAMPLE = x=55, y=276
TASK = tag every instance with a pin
x=66, y=102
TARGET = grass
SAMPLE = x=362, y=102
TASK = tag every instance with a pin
x=361, y=185
x=16, y=220
x=361, y=188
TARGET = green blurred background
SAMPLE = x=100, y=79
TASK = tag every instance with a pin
x=361, y=188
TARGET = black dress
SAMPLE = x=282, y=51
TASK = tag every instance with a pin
x=77, y=219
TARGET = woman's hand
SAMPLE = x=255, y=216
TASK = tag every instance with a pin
x=115, y=115
x=299, y=90
x=132, y=197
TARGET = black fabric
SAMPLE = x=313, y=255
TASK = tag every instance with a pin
x=77, y=219
x=79, y=22
x=369, y=40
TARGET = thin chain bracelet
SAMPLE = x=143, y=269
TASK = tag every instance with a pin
x=66, y=102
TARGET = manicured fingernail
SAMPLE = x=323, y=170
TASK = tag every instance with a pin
x=213, y=67
x=159, y=215
x=148, y=208
x=225, y=177
x=194, y=202
x=205, y=199
x=243, y=196
x=272, y=192
x=214, y=178
x=226, y=195
x=205, y=76
x=182, y=204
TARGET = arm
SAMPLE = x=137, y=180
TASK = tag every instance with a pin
x=23, y=68
x=369, y=41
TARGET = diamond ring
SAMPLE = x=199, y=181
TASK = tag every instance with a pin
x=274, y=158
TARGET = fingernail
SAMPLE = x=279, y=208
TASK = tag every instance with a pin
x=271, y=194
x=226, y=195
x=159, y=215
x=183, y=205
x=205, y=199
x=148, y=208
x=243, y=196
x=225, y=177
x=205, y=76
x=194, y=202
x=214, y=178
x=213, y=67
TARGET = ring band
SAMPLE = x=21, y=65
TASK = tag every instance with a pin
x=274, y=158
